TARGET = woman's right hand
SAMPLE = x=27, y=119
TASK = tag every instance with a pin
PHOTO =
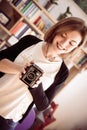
x=7, y=66
x=33, y=71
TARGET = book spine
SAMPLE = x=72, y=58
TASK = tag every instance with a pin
x=82, y=61
x=26, y=7
x=35, y=18
x=22, y=32
x=20, y=29
x=17, y=27
x=21, y=5
x=26, y=1
x=27, y=32
x=29, y=10
x=17, y=3
x=78, y=56
x=35, y=10
x=12, y=40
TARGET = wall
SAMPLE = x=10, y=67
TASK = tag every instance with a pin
x=62, y=6
x=72, y=110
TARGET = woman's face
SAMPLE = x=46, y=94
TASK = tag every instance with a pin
x=66, y=42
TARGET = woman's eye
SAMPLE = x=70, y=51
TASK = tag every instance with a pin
x=72, y=44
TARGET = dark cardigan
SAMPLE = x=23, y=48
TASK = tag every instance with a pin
x=44, y=97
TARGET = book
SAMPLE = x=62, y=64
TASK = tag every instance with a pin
x=32, y=32
x=36, y=17
x=17, y=2
x=12, y=40
x=40, y=24
x=17, y=27
x=78, y=56
x=21, y=5
x=20, y=29
x=30, y=9
x=33, y=12
x=22, y=32
x=82, y=61
x=27, y=32
x=26, y=7
x=26, y=1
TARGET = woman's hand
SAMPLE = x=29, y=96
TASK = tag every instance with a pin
x=37, y=82
x=32, y=76
x=7, y=66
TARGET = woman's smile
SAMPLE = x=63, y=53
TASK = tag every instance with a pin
x=59, y=46
x=66, y=42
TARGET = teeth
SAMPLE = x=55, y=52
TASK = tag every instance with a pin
x=60, y=47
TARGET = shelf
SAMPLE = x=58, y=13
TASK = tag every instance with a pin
x=3, y=45
x=73, y=72
x=37, y=16
x=79, y=58
x=84, y=47
x=46, y=12
x=4, y=33
x=9, y=15
x=28, y=21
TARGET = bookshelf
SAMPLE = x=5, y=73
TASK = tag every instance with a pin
x=23, y=17
x=77, y=62
x=10, y=19
x=9, y=15
x=79, y=58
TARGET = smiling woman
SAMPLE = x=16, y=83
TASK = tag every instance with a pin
x=60, y=39
x=65, y=36
x=63, y=42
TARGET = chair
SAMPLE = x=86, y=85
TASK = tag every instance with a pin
x=27, y=122
x=45, y=117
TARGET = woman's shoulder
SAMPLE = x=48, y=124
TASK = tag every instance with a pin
x=23, y=43
x=64, y=68
x=30, y=38
x=63, y=73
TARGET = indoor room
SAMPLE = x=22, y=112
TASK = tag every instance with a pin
x=43, y=64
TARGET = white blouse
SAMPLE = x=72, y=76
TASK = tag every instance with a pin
x=14, y=94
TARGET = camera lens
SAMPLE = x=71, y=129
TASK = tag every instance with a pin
x=31, y=76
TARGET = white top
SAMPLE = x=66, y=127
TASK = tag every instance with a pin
x=14, y=94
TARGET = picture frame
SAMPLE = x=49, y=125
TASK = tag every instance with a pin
x=4, y=19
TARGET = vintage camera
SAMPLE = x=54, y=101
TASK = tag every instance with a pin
x=33, y=73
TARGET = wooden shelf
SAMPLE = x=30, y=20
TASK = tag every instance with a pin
x=12, y=15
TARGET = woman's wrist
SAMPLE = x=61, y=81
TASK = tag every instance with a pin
x=7, y=66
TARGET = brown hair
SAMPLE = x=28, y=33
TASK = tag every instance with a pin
x=71, y=23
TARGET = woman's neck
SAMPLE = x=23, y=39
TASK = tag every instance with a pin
x=49, y=53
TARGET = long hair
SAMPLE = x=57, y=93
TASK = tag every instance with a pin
x=71, y=23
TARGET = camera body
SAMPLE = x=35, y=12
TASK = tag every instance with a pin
x=33, y=73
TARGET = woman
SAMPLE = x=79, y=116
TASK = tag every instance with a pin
x=59, y=40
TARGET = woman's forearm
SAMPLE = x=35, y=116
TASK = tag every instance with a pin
x=10, y=67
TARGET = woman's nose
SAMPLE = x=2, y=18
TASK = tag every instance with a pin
x=65, y=43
